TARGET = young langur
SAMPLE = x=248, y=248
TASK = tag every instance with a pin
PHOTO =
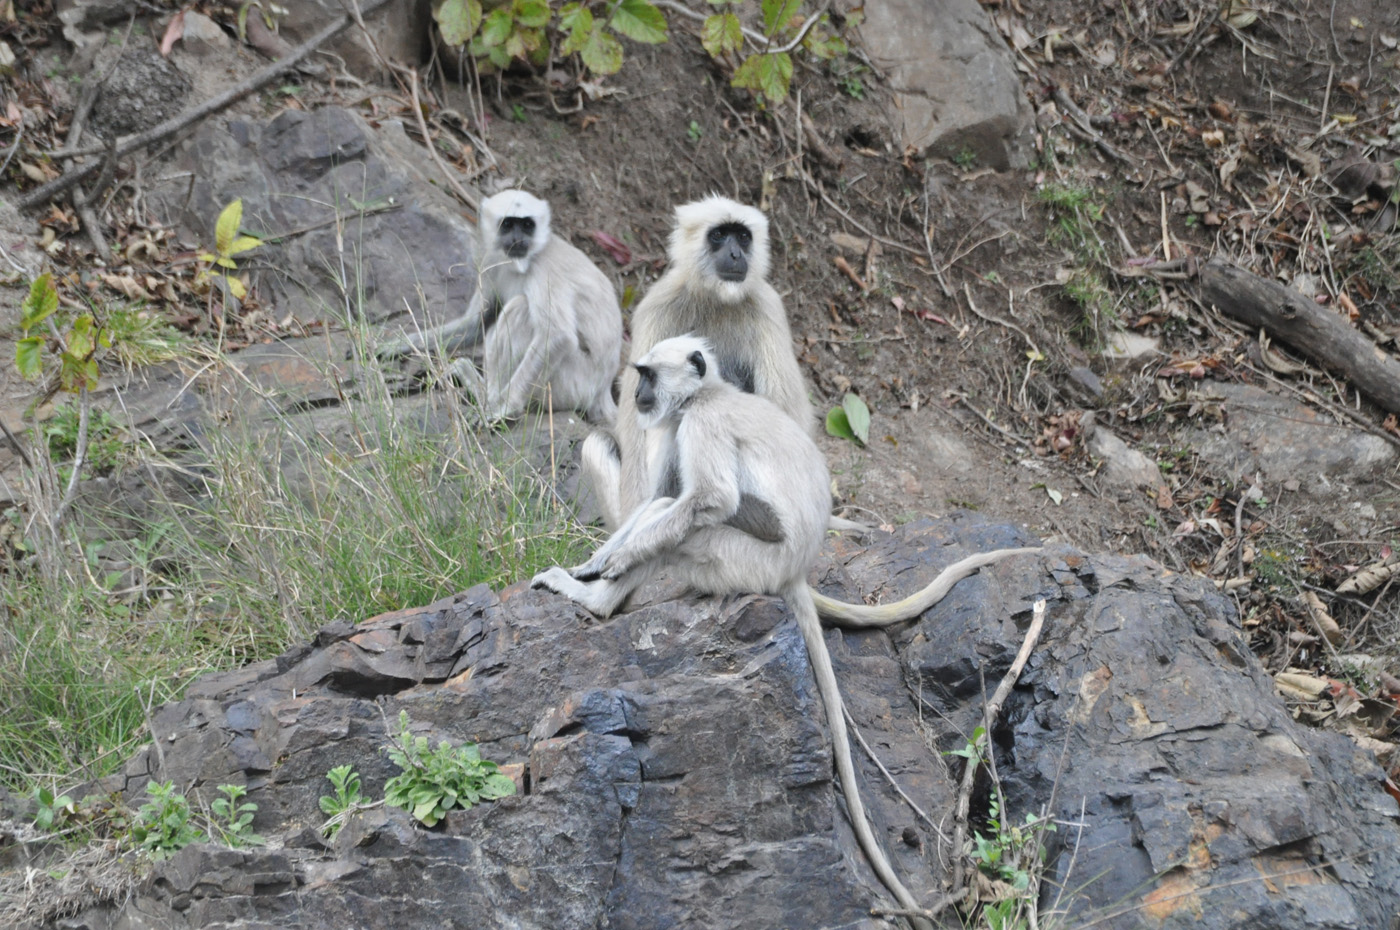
x=549, y=319
x=716, y=288
x=728, y=445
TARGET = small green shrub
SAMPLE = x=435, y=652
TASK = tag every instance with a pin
x=435, y=781
x=233, y=822
x=347, y=798
x=162, y=826
x=52, y=809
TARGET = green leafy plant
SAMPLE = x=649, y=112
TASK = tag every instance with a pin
x=518, y=30
x=695, y=133
x=162, y=826
x=767, y=72
x=434, y=781
x=51, y=810
x=966, y=158
x=77, y=347
x=972, y=749
x=347, y=798
x=233, y=822
x=228, y=243
x=1010, y=852
x=850, y=421
x=62, y=430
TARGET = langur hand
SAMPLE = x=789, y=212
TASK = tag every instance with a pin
x=553, y=579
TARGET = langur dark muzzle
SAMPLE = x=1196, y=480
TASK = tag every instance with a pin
x=646, y=389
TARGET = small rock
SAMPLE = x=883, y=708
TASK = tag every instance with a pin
x=1086, y=381
x=1124, y=469
x=202, y=34
x=1130, y=347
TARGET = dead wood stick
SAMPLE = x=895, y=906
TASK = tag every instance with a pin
x=452, y=182
x=989, y=719
x=46, y=192
x=1314, y=330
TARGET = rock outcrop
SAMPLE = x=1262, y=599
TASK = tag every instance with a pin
x=677, y=771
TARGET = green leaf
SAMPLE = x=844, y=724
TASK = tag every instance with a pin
x=602, y=53
x=577, y=21
x=858, y=416
x=825, y=47
x=769, y=75
x=496, y=28
x=837, y=425
x=40, y=303
x=458, y=20
x=776, y=14
x=639, y=21
x=498, y=786
x=533, y=14
x=29, y=357
x=82, y=338
x=243, y=244
x=721, y=33
x=236, y=287
x=75, y=373
x=227, y=227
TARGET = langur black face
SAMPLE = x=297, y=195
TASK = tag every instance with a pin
x=515, y=235
x=646, y=389
x=730, y=245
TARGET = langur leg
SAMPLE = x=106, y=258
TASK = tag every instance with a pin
x=602, y=470
x=512, y=391
x=602, y=597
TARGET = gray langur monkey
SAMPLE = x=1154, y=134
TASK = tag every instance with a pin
x=548, y=317
x=716, y=288
x=728, y=445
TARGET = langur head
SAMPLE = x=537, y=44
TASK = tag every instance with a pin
x=668, y=377
x=516, y=225
x=722, y=244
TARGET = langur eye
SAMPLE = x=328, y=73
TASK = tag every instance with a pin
x=716, y=236
x=744, y=238
x=643, y=372
x=527, y=224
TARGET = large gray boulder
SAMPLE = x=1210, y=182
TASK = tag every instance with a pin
x=356, y=220
x=677, y=767
x=954, y=80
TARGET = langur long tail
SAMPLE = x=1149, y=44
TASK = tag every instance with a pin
x=799, y=598
x=866, y=616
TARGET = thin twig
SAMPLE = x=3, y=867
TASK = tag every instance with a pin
x=987, y=420
x=989, y=720
x=46, y=192
x=155, y=740
x=894, y=244
x=457, y=189
x=972, y=304
x=79, y=456
x=931, y=912
x=15, y=444
x=851, y=725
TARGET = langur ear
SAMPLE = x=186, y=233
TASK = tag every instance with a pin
x=697, y=361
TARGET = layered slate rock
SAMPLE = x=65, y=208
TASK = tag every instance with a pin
x=677, y=771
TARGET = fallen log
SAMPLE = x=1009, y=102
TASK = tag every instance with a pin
x=1307, y=327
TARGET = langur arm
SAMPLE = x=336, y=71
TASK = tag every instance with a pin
x=593, y=568
x=710, y=496
x=465, y=331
